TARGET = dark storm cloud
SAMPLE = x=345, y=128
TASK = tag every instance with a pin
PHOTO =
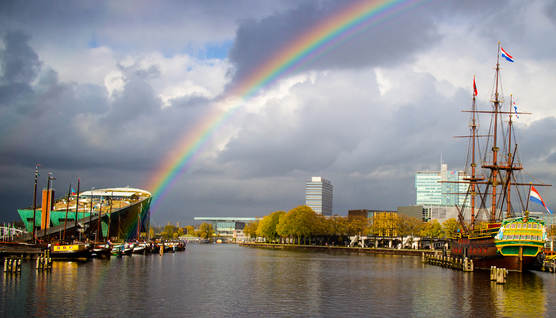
x=388, y=42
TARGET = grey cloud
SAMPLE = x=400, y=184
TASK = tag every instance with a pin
x=20, y=64
x=168, y=26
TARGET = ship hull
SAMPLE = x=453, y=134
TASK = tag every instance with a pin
x=484, y=253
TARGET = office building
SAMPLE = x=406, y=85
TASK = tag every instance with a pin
x=440, y=188
x=318, y=195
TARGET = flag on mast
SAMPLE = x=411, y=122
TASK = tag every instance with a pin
x=515, y=108
x=536, y=197
x=474, y=87
x=506, y=55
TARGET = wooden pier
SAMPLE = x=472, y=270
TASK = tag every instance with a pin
x=464, y=264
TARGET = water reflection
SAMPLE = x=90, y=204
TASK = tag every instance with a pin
x=227, y=280
x=523, y=295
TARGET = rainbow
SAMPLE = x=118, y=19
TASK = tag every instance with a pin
x=314, y=42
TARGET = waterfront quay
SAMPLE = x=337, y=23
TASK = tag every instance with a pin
x=346, y=249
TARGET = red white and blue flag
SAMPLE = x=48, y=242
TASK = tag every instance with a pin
x=506, y=55
x=536, y=197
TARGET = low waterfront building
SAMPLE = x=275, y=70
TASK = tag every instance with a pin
x=385, y=223
x=226, y=226
x=414, y=211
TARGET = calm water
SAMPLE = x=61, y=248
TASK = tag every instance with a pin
x=232, y=281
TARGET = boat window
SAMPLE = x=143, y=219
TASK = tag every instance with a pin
x=528, y=237
x=529, y=225
x=535, y=225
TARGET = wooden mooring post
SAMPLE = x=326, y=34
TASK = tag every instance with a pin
x=13, y=264
x=44, y=261
x=498, y=275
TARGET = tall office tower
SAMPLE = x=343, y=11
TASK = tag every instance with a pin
x=318, y=195
x=431, y=191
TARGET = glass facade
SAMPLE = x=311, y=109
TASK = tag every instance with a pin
x=318, y=195
x=431, y=191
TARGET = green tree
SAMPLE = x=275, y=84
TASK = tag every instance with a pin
x=267, y=226
x=205, y=230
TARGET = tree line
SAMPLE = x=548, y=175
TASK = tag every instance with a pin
x=302, y=225
x=171, y=231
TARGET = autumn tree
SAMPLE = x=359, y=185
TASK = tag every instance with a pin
x=189, y=230
x=357, y=225
x=408, y=225
x=299, y=222
x=267, y=226
x=250, y=229
x=450, y=227
x=205, y=230
x=431, y=229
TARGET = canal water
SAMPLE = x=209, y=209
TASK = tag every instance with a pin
x=233, y=281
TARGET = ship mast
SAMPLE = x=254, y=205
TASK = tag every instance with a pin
x=473, y=164
x=494, y=174
x=510, y=164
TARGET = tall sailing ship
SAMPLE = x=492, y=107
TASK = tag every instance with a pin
x=500, y=231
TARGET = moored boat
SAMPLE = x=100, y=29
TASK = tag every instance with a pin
x=78, y=251
x=101, y=250
x=140, y=248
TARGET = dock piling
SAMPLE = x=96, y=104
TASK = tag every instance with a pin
x=501, y=274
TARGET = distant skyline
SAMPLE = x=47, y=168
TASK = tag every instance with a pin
x=104, y=90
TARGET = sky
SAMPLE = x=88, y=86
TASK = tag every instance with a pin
x=104, y=90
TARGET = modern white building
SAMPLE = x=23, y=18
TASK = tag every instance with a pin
x=433, y=188
x=318, y=195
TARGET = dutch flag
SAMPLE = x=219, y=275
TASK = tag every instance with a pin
x=506, y=55
x=536, y=197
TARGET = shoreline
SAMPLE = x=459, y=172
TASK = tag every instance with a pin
x=360, y=250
